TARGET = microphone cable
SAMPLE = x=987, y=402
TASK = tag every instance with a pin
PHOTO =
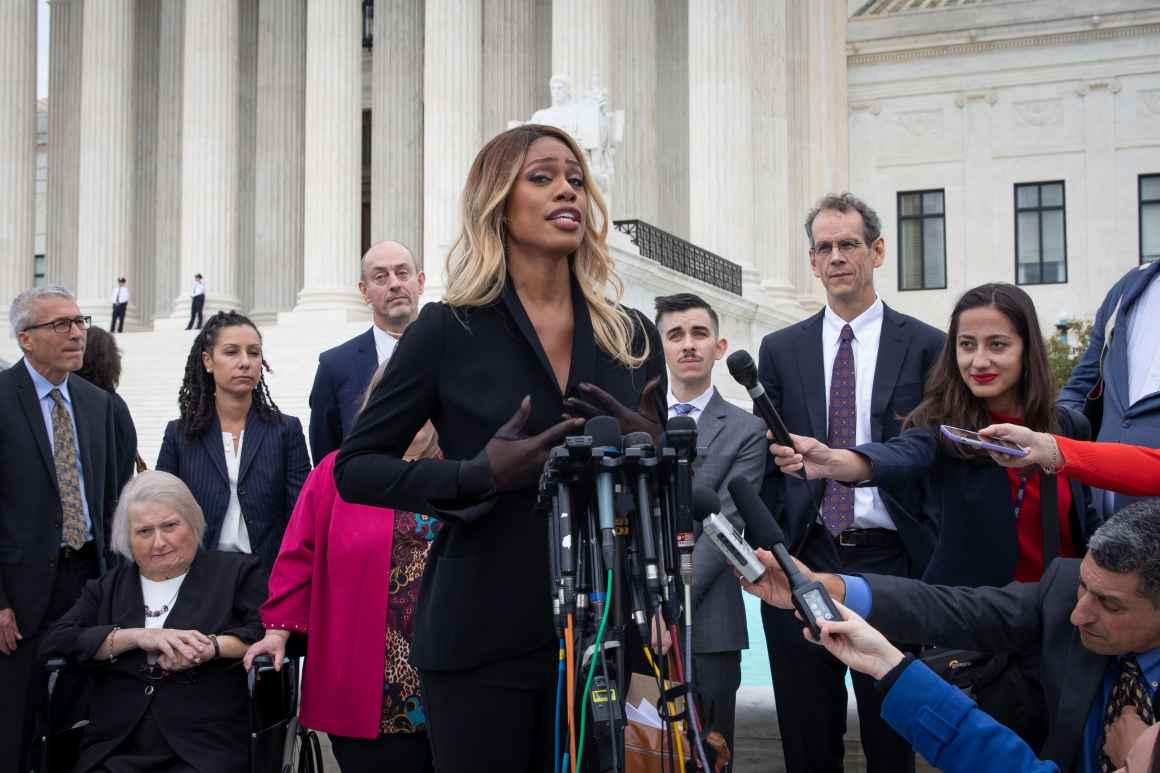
x=559, y=701
x=591, y=671
x=694, y=720
x=674, y=726
x=570, y=656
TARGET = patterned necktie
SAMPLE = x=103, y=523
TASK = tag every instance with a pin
x=1128, y=690
x=64, y=456
x=683, y=409
x=838, y=501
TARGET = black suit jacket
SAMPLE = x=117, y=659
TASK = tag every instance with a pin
x=339, y=384
x=791, y=367
x=202, y=712
x=485, y=593
x=274, y=465
x=1021, y=617
x=978, y=540
x=126, y=433
x=30, y=510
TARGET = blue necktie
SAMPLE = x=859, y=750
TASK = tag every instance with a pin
x=684, y=409
x=838, y=502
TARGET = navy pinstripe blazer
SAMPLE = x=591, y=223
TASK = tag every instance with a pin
x=273, y=467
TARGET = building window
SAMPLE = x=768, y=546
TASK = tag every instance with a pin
x=1149, y=217
x=38, y=271
x=1040, y=234
x=922, y=243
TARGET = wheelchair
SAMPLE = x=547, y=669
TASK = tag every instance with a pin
x=273, y=711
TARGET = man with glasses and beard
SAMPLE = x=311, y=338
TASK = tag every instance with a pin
x=391, y=284
x=58, y=485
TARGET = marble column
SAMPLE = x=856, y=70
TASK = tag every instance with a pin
x=333, y=174
x=280, y=158
x=452, y=122
x=247, y=148
x=582, y=43
x=510, y=67
x=142, y=285
x=721, y=211
x=634, y=90
x=978, y=202
x=17, y=148
x=397, y=125
x=64, y=137
x=167, y=281
x=1102, y=175
x=209, y=155
x=672, y=147
x=107, y=163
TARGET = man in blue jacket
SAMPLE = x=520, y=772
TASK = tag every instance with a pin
x=1130, y=318
x=391, y=284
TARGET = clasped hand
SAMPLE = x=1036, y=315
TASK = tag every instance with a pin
x=177, y=650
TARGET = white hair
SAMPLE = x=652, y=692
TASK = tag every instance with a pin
x=22, y=311
x=160, y=488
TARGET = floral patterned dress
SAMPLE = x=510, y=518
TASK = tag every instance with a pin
x=402, y=704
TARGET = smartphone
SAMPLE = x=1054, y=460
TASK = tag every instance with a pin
x=973, y=439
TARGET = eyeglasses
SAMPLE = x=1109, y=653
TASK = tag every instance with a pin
x=64, y=325
x=847, y=247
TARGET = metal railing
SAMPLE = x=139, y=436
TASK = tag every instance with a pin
x=679, y=255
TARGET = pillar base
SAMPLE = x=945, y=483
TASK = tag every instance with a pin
x=336, y=306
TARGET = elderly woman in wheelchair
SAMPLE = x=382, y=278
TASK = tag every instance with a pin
x=161, y=640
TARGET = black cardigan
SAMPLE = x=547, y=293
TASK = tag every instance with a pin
x=485, y=594
x=201, y=712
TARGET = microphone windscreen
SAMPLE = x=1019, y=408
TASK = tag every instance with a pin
x=761, y=530
x=681, y=424
x=637, y=439
x=604, y=430
x=705, y=502
x=742, y=368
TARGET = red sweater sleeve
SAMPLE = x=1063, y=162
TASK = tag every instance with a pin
x=1132, y=470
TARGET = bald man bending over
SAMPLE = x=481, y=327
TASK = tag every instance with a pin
x=390, y=284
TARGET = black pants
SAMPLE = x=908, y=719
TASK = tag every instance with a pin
x=497, y=717
x=809, y=683
x=195, y=309
x=717, y=676
x=22, y=680
x=118, y=316
x=396, y=752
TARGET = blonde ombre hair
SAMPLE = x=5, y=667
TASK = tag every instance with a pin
x=477, y=263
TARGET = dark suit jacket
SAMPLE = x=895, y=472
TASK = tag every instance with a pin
x=791, y=367
x=203, y=712
x=273, y=467
x=730, y=443
x=1135, y=424
x=1021, y=617
x=339, y=383
x=30, y=510
x=126, y=433
x=486, y=588
x=978, y=540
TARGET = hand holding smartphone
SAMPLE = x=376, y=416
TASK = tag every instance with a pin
x=974, y=440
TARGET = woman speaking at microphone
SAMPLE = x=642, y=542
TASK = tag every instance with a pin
x=526, y=334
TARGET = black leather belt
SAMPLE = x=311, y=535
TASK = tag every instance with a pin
x=88, y=550
x=883, y=538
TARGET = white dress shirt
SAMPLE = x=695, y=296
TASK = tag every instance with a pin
x=384, y=343
x=869, y=510
x=198, y=288
x=699, y=402
x=234, y=537
x=121, y=295
x=1144, y=345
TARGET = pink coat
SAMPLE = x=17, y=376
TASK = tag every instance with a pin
x=330, y=582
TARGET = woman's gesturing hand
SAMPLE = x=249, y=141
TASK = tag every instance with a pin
x=857, y=644
x=516, y=460
x=599, y=403
x=272, y=644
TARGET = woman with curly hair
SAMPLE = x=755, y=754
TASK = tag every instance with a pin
x=531, y=329
x=242, y=458
x=102, y=368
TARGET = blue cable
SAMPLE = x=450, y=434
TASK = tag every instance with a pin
x=559, y=700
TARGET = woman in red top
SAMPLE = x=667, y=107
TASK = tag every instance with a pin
x=993, y=368
x=1131, y=470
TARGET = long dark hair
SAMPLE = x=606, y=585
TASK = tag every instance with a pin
x=196, y=398
x=102, y=364
x=948, y=400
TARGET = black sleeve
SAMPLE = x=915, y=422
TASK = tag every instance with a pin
x=369, y=469
x=76, y=636
x=249, y=593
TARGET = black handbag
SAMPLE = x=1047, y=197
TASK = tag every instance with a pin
x=309, y=752
x=1006, y=685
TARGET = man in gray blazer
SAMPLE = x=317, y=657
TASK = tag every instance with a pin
x=730, y=442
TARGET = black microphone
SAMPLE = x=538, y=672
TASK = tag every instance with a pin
x=744, y=372
x=638, y=447
x=681, y=432
x=606, y=448
x=705, y=502
x=810, y=597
